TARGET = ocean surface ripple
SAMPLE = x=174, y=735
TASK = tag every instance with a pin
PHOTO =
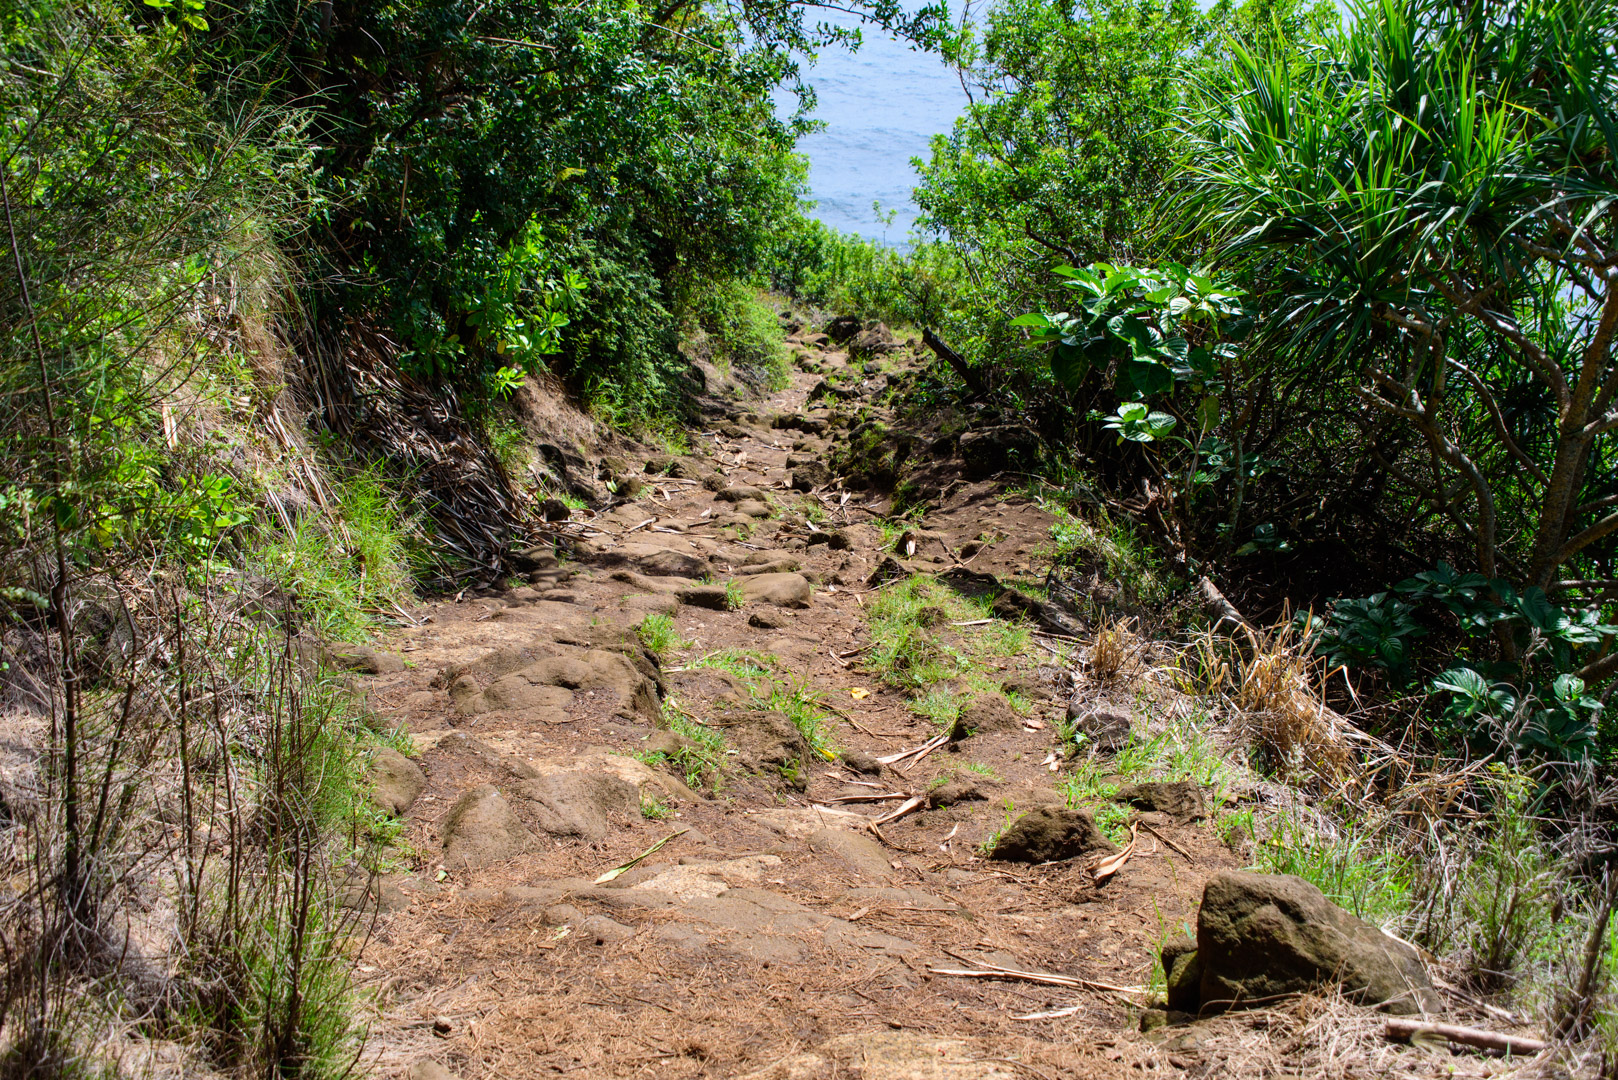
x=880, y=105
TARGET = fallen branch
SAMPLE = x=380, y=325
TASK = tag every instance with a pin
x=1186, y=854
x=869, y=798
x=1222, y=610
x=904, y=808
x=1052, y=1014
x=955, y=360
x=1408, y=1030
x=879, y=734
x=1044, y=978
x=916, y=753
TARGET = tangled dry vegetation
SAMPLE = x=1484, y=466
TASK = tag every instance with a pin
x=1493, y=867
x=180, y=779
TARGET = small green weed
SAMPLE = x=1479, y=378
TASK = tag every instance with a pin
x=1113, y=821
x=367, y=566
x=1237, y=829
x=982, y=770
x=987, y=847
x=939, y=705
x=806, y=708
x=509, y=444
x=652, y=808
x=701, y=761
x=1181, y=750
x=1114, y=545
x=793, y=696
x=742, y=663
x=1356, y=868
x=658, y=633
x=734, y=597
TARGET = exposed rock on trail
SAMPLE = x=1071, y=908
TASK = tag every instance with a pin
x=1051, y=833
x=1264, y=935
x=667, y=846
x=396, y=781
x=481, y=829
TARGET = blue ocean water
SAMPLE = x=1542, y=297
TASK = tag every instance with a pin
x=880, y=105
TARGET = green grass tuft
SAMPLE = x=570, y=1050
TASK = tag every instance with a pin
x=658, y=633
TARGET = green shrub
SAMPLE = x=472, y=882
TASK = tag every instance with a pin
x=345, y=570
x=733, y=327
x=658, y=633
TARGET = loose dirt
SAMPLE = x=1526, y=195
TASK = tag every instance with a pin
x=775, y=932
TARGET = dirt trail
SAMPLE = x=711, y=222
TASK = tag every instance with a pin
x=774, y=933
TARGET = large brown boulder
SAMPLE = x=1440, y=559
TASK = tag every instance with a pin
x=1264, y=935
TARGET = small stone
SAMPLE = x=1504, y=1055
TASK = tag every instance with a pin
x=1106, y=730
x=766, y=620
x=989, y=712
x=1049, y=834
x=957, y=789
x=836, y=540
x=781, y=590
x=861, y=762
x=735, y=493
x=1152, y=1019
x=442, y=1026
x=713, y=597
x=362, y=659
x=667, y=743
x=810, y=475
x=396, y=781
x=430, y=1070
x=1180, y=799
x=481, y=829
x=603, y=931
x=1182, y=972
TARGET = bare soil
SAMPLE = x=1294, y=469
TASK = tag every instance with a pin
x=776, y=933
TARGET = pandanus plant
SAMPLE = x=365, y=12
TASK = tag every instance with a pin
x=1426, y=207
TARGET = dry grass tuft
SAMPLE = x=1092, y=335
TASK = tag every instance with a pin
x=1273, y=688
x=1115, y=645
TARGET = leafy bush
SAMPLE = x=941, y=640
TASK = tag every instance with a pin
x=728, y=322
x=1518, y=688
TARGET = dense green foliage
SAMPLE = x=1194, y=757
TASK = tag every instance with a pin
x=202, y=201
x=1427, y=200
x=514, y=186
x=1073, y=132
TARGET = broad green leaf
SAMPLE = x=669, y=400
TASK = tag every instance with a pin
x=1147, y=376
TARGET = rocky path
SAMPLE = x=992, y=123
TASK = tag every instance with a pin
x=711, y=671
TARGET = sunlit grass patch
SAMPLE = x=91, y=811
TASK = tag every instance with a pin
x=1181, y=750
x=658, y=633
